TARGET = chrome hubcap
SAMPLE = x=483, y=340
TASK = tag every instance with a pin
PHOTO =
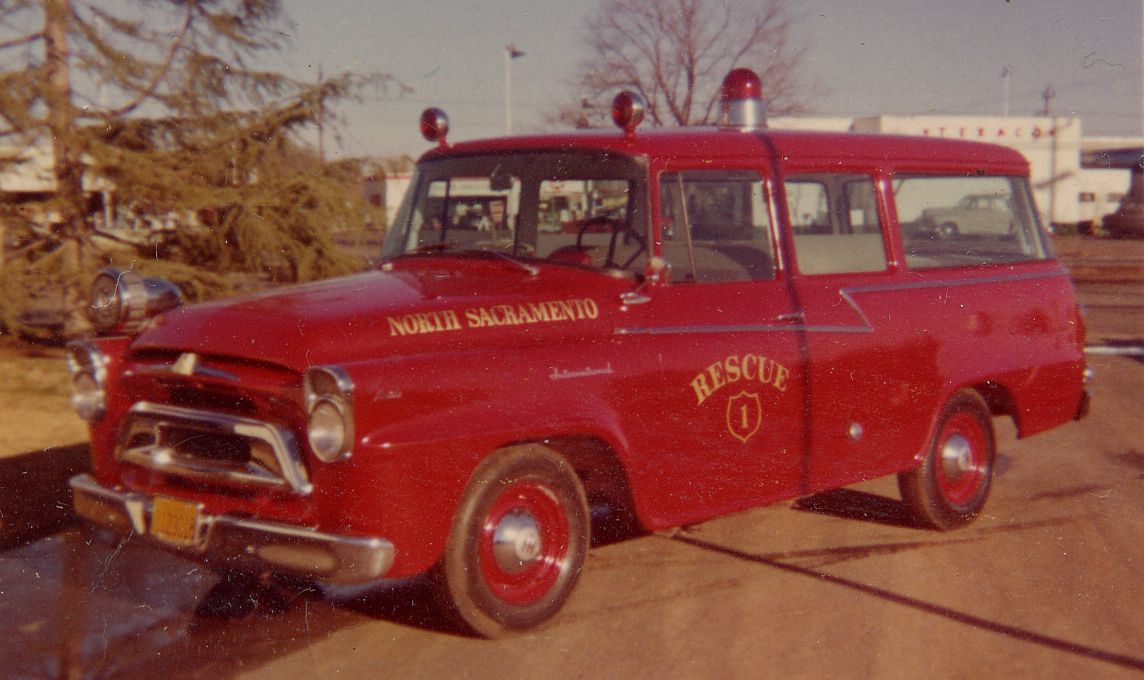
x=956, y=456
x=516, y=541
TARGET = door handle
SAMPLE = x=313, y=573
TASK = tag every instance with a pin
x=791, y=317
x=634, y=297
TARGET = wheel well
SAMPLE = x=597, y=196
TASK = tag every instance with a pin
x=605, y=484
x=999, y=400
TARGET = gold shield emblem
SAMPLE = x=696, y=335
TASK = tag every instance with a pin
x=744, y=415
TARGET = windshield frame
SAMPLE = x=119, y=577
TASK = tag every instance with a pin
x=532, y=167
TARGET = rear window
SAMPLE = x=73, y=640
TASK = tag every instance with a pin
x=960, y=221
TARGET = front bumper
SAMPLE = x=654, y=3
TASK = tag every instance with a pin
x=237, y=543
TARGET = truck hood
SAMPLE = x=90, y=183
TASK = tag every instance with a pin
x=408, y=307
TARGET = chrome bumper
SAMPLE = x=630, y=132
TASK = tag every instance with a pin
x=241, y=544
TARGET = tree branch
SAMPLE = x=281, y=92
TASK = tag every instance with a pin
x=23, y=40
x=149, y=90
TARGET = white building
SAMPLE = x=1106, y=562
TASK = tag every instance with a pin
x=1067, y=192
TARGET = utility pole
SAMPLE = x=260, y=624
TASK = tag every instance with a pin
x=510, y=53
x=1048, y=95
x=1005, y=91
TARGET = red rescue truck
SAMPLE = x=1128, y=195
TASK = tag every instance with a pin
x=737, y=316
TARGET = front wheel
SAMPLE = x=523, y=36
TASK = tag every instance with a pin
x=949, y=489
x=518, y=541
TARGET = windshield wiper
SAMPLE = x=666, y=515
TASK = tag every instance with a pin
x=532, y=270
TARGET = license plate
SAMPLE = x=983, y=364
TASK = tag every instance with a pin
x=174, y=521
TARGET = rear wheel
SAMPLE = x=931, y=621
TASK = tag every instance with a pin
x=518, y=541
x=949, y=489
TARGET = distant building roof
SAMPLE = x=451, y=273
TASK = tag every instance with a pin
x=1122, y=158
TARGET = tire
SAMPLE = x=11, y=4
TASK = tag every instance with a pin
x=518, y=541
x=947, y=231
x=948, y=490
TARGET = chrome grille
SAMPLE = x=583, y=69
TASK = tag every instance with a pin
x=217, y=447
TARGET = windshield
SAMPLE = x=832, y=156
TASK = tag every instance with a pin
x=580, y=208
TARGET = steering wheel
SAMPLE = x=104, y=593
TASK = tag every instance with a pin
x=616, y=227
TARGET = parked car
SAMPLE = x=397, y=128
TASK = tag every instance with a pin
x=476, y=413
x=974, y=215
x=1128, y=220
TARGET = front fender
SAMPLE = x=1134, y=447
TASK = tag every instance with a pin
x=418, y=447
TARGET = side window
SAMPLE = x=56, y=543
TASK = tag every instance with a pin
x=960, y=221
x=835, y=222
x=715, y=226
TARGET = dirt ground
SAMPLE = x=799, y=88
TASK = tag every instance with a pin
x=35, y=408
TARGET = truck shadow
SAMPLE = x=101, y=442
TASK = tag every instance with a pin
x=965, y=618
x=36, y=498
x=859, y=505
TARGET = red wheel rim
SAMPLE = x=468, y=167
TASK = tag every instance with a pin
x=523, y=543
x=961, y=458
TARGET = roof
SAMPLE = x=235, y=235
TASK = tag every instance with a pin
x=833, y=149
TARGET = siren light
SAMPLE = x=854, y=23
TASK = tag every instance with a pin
x=742, y=100
x=628, y=110
x=434, y=125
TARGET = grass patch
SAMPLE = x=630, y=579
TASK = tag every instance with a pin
x=35, y=401
x=32, y=376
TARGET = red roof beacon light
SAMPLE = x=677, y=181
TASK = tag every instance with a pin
x=628, y=110
x=434, y=125
x=742, y=100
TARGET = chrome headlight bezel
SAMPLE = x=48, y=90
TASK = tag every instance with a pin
x=329, y=404
x=87, y=366
x=123, y=301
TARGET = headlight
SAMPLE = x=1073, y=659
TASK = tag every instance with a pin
x=329, y=406
x=121, y=301
x=88, y=369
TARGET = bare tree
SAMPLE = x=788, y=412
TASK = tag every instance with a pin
x=675, y=53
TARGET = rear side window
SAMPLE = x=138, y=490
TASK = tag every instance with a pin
x=835, y=222
x=715, y=226
x=966, y=221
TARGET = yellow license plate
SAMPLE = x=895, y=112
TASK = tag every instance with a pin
x=174, y=521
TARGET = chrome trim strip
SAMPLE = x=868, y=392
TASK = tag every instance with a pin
x=745, y=328
x=162, y=459
x=198, y=370
x=1128, y=351
x=847, y=294
x=159, y=458
x=999, y=278
x=249, y=544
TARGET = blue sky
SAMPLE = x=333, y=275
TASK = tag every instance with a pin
x=865, y=57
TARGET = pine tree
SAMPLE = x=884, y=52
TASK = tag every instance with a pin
x=161, y=104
